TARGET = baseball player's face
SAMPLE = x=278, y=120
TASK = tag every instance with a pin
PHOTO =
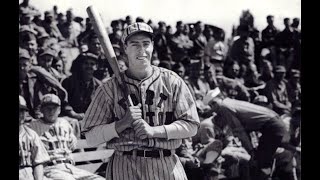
x=139, y=50
x=50, y=112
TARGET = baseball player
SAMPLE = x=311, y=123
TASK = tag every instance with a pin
x=146, y=134
x=243, y=117
x=32, y=154
x=59, y=140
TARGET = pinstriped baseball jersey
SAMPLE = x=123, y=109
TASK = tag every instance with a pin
x=58, y=138
x=31, y=152
x=140, y=168
x=164, y=97
x=31, y=149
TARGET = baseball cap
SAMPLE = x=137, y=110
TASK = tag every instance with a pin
x=23, y=53
x=136, y=28
x=88, y=55
x=48, y=51
x=211, y=95
x=27, y=29
x=22, y=103
x=280, y=69
x=260, y=99
x=50, y=99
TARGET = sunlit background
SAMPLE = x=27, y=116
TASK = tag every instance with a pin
x=221, y=13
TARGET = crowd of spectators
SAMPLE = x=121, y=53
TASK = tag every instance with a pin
x=258, y=67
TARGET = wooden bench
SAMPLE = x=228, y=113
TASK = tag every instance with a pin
x=91, y=158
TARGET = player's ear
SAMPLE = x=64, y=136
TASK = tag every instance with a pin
x=125, y=47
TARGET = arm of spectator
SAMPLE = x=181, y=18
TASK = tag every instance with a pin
x=243, y=93
x=176, y=44
x=237, y=128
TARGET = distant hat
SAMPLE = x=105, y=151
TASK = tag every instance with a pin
x=27, y=36
x=260, y=99
x=295, y=73
x=280, y=69
x=27, y=12
x=27, y=29
x=265, y=52
x=211, y=95
x=23, y=53
x=136, y=28
x=50, y=99
x=48, y=51
x=88, y=55
x=49, y=14
x=22, y=103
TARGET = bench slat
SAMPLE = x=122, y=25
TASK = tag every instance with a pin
x=90, y=167
x=82, y=144
x=92, y=155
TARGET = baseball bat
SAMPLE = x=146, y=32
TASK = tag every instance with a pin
x=103, y=37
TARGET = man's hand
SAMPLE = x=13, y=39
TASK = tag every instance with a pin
x=133, y=113
x=142, y=129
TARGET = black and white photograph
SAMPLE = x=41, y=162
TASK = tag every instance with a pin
x=159, y=90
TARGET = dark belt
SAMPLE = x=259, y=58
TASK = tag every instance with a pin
x=145, y=153
x=22, y=167
x=58, y=162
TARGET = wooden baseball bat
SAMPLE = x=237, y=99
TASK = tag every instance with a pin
x=103, y=37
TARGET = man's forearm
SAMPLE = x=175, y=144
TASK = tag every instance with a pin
x=38, y=172
x=180, y=130
x=101, y=134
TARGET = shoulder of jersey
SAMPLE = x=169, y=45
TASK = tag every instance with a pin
x=30, y=131
x=62, y=120
x=169, y=73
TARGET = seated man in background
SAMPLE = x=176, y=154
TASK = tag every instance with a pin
x=32, y=153
x=81, y=87
x=277, y=92
x=59, y=140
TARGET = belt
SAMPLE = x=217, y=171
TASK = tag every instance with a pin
x=22, y=167
x=58, y=162
x=146, y=153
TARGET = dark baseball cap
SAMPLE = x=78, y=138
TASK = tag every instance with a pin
x=136, y=28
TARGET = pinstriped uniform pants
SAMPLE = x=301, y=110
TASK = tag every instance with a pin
x=129, y=167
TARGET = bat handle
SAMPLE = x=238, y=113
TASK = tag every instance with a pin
x=130, y=100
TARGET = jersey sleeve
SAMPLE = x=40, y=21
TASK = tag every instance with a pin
x=187, y=120
x=39, y=154
x=99, y=111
